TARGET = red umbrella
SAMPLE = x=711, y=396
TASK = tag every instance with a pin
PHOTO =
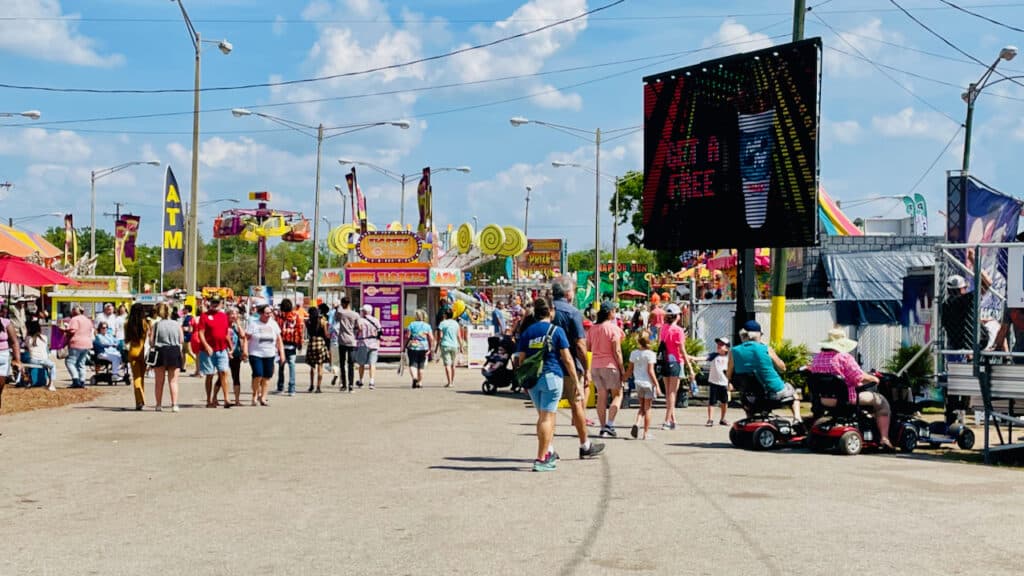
x=632, y=294
x=17, y=271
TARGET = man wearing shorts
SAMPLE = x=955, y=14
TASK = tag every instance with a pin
x=754, y=357
x=213, y=354
x=367, y=344
x=570, y=320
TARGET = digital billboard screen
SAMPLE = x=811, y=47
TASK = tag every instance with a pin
x=731, y=151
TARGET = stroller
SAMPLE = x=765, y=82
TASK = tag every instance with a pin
x=496, y=370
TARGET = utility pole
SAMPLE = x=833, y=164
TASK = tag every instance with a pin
x=779, y=256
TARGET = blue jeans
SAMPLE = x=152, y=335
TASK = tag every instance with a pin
x=289, y=356
x=75, y=364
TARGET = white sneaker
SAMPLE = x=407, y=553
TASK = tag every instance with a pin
x=159, y=409
x=52, y=388
x=174, y=408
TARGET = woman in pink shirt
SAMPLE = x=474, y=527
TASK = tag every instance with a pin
x=79, y=332
x=604, y=340
x=673, y=338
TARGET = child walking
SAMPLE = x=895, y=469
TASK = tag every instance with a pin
x=718, y=382
x=642, y=361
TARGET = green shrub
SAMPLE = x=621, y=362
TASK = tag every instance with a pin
x=920, y=372
x=794, y=356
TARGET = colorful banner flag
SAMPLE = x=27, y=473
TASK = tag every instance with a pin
x=131, y=234
x=920, y=215
x=120, y=231
x=172, y=255
x=424, y=199
x=360, y=201
x=70, y=251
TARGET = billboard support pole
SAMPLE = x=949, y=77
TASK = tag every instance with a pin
x=779, y=256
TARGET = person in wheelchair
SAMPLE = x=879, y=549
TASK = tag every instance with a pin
x=106, y=348
x=836, y=359
x=754, y=357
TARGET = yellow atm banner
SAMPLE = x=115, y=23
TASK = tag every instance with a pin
x=173, y=255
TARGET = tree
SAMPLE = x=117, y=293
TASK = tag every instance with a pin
x=584, y=260
x=631, y=197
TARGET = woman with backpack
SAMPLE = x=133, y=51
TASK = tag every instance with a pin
x=550, y=342
x=316, y=349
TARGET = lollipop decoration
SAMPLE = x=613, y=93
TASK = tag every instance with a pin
x=492, y=238
x=465, y=238
x=515, y=242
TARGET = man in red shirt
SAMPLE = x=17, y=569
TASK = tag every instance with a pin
x=214, y=346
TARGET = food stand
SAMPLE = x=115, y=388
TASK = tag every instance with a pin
x=92, y=292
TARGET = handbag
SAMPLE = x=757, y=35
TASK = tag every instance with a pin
x=152, y=357
x=528, y=373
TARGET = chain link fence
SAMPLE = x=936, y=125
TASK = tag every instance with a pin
x=970, y=292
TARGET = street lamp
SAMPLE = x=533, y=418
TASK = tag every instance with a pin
x=518, y=121
x=526, y=219
x=96, y=175
x=11, y=221
x=344, y=205
x=317, y=248
x=615, y=214
x=192, y=228
x=402, y=178
x=31, y=114
x=476, y=223
x=1007, y=53
x=319, y=135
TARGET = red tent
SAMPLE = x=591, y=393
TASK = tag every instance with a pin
x=17, y=271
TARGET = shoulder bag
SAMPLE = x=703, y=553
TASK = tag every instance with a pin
x=528, y=373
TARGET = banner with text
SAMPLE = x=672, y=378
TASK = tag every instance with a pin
x=173, y=243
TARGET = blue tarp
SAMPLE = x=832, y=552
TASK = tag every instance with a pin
x=868, y=286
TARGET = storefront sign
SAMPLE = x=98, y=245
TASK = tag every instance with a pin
x=446, y=277
x=330, y=277
x=541, y=255
x=120, y=284
x=388, y=247
x=419, y=276
x=386, y=300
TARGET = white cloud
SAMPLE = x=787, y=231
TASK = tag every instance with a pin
x=279, y=26
x=909, y=123
x=48, y=36
x=549, y=97
x=839, y=64
x=39, y=144
x=843, y=132
x=732, y=32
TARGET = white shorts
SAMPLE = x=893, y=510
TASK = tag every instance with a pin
x=5, y=363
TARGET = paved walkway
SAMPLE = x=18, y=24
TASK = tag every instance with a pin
x=436, y=481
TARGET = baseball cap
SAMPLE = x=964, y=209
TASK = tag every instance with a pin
x=672, y=309
x=956, y=282
x=367, y=309
x=752, y=326
x=723, y=340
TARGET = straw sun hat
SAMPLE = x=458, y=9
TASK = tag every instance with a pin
x=838, y=341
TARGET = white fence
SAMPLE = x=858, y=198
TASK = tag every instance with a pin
x=807, y=322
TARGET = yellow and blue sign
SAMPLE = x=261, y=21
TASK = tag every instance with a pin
x=173, y=256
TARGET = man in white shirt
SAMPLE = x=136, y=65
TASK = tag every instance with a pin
x=109, y=318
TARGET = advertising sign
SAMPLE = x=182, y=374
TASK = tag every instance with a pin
x=330, y=277
x=388, y=247
x=386, y=300
x=446, y=277
x=173, y=249
x=731, y=151
x=418, y=276
x=541, y=255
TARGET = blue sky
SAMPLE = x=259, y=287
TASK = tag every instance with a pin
x=876, y=138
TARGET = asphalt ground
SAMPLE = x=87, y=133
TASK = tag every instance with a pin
x=438, y=481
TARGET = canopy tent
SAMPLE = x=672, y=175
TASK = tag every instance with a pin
x=17, y=271
x=22, y=244
x=868, y=286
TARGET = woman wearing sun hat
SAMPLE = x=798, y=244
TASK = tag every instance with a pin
x=835, y=358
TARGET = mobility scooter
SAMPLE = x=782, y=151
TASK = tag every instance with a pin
x=762, y=429
x=907, y=401
x=847, y=428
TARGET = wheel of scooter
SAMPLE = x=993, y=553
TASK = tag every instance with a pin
x=850, y=443
x=763, y=439
x=966, y=439
x=514, y=389
x=489, y=388
x=736, y=437
x=908, y=440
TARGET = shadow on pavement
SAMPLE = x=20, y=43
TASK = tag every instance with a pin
x=524, y=464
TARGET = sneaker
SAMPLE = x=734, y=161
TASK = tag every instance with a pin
x=51, y=388
x=710, y=423
x=723, y=422
x=334, y=381
x=159, y=409
x=634, y=431
x=666, y=426
x=175, y=408
x=544, y=466
x=609, y=430
x=372, y=387
x=291, y=394
x=359, y=384
x=552, y=457
x=595, y=449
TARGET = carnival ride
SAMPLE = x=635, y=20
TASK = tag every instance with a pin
x=258, y=224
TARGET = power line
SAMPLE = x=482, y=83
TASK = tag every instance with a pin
x=883, y=71
x=982, y=16
x=670, y=57
x=388, y=21
x=323, y=78
x=936, y=161
x=949, y=43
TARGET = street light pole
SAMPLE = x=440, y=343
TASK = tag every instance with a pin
x=315, y=286
x=973, y=90
x=615, y=243
x=526, y=220
x=597, y=218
